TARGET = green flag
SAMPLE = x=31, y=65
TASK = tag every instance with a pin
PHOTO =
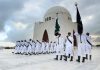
x=57, y=28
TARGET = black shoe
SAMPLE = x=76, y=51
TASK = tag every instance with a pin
x=78, y=60
x=26, y=54
x=71, y=58
x=83, y=59
x=30, y=54
x=60, y=57
x=90, y=57
x=56, y=57
x=65, y=58
x=86, y=56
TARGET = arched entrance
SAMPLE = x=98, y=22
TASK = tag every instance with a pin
x=45, y=36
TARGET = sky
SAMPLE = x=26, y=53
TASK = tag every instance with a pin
x=17, y=17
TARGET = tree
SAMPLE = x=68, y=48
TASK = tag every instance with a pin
x=57, y=28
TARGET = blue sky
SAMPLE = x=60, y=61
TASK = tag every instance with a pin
x=17, y=17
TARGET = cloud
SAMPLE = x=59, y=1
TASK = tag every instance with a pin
x=3, y=36
x=19, y=31
x=17, y=17
x=7, y=8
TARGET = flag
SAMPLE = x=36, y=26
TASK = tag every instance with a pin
x=79, y=22
x=57, y=27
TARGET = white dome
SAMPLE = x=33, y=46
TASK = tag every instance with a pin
x=59, y=10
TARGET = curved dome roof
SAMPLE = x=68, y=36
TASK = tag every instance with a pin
x=57, y=9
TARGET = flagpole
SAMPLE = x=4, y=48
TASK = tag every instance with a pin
x=79, y=22
x=57, y=14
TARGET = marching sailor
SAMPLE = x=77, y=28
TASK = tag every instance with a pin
x=30, y=47
x=60, y=47
x=81, y=42
x=51, y=47
x=22, y=47
x=27, y=45
x=47, y=47
x=88, y=46
x=69, y=47
x=33, y=47
x=16, y=47
x=37, y=47
x=43, y=47
x=54, y=44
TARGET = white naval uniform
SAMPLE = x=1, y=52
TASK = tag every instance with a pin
x=51, y=47
x=81, y=44
x=88, y=46
x=55, y=45
x=33, y=47
x=60, y=46
x=69, y=46
x=43, y=47
x=16, y=48
x=47, y=47
x=22, y=47
x=29, y=50
x=26, y=44
x=37, y=47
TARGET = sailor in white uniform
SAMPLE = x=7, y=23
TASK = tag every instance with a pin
x=16, y=47
x=22, y=47
x=26, y=49
x=43, y=47
x=37, y=47
x=33, y=46
x=47, y=47
x=81, y=42
x=88, y=46
x=30, y=47
x=60, y=47
x=40, y=47
x=69, y=47
x=55, y=45
x=51, y=47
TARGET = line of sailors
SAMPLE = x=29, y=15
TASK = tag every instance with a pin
x=31, y=47
x=62, y=47
x=84, y=46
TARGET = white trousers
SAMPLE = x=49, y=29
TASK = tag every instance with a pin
x=29, y=50
x=88, y=49
x=81, y=50
x=37, y=49
x=59, y=50
x=69, y=50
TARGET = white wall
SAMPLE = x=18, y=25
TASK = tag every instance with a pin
x=66, y=26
